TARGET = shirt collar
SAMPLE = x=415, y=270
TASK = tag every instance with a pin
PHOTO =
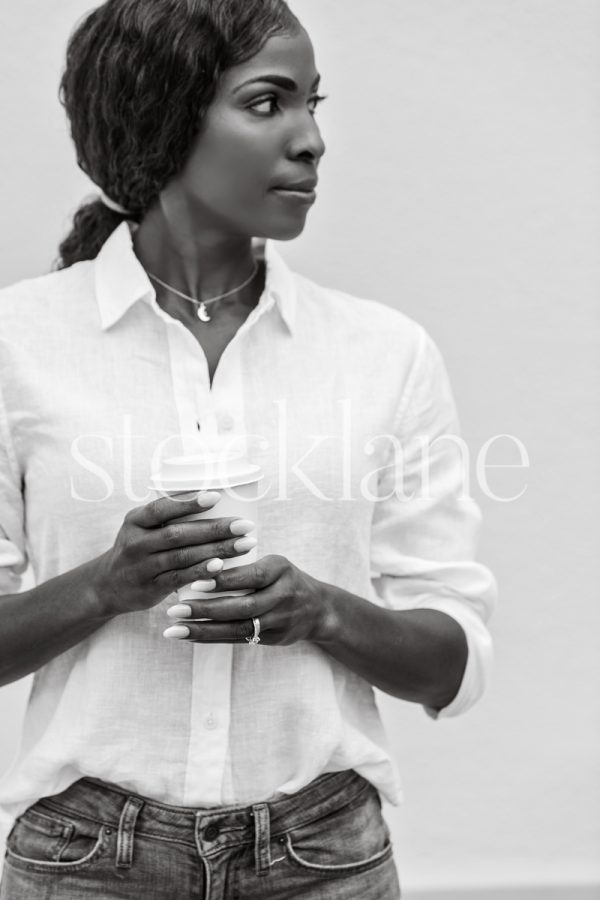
x=121, y=279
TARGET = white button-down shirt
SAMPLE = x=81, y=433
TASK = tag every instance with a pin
x=95, y=380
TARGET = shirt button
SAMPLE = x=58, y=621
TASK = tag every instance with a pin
x=211, y=832
x=226, y=422
x=210, y=722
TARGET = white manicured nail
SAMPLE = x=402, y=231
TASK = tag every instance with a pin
x=207, y=498
x=179, y=611
x=241, y=526
x=245, y=543
x=209, y=585
x=214, y=565
x=176, y=631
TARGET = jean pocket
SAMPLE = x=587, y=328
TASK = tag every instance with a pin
x=352, y=838
x=46, y=841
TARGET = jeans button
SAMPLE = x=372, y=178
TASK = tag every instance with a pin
x=211, y=832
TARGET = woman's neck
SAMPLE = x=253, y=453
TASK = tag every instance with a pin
x=202, y=263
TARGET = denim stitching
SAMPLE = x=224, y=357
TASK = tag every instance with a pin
x=340, y=868
x=69, y=866
x=125, y=837
x=262, y=842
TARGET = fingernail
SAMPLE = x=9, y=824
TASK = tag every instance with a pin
x=241, y=526
x=245, y=543
x=179, y=611
x=207, y=498
x=176, y=631
x=209, y=585
x=214, y=565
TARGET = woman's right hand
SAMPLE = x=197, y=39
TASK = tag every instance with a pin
x=153, y=557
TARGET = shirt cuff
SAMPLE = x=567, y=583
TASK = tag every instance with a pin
x=480, y=658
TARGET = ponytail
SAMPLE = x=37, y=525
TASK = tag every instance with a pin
x=93, y=223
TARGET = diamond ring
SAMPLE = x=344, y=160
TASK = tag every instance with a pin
x=255, y=637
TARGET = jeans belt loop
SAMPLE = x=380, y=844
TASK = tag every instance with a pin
x=262, y=838
x=127, y=821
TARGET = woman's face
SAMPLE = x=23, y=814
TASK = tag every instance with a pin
x=257, y=136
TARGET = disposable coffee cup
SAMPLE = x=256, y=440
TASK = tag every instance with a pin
x=221, y=465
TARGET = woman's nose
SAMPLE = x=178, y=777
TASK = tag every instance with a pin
x=308, y=139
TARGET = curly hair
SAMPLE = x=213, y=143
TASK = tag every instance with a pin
x=139, y=77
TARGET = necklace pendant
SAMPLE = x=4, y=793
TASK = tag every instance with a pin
x=202, y=314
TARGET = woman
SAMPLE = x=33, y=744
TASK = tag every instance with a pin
x=167, y=762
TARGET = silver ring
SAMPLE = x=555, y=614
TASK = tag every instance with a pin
x=255, y=638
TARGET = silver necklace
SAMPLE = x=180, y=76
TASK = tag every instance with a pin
x=202, y=304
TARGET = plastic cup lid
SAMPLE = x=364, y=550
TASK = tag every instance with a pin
x=204, y=471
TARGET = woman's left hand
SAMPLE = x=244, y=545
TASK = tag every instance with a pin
x=291, y=605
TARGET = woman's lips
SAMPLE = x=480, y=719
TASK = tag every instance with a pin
x=296, y=196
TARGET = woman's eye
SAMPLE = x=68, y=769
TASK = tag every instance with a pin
x=268, y=103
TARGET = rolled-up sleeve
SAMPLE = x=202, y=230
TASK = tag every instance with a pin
x=426, y=525
x=13, y=553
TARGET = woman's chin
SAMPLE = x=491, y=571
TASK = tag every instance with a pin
x=286, y=231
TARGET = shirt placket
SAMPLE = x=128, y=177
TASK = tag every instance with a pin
x=210, y=707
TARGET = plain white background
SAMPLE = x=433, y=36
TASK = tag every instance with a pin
x=460, y=185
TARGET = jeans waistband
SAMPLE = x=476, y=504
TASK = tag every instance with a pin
x=110, y=804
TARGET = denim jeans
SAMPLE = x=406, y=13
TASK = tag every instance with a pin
x=95, y=839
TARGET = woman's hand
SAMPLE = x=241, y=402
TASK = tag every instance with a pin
x=153, y=557
x=292, y=606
